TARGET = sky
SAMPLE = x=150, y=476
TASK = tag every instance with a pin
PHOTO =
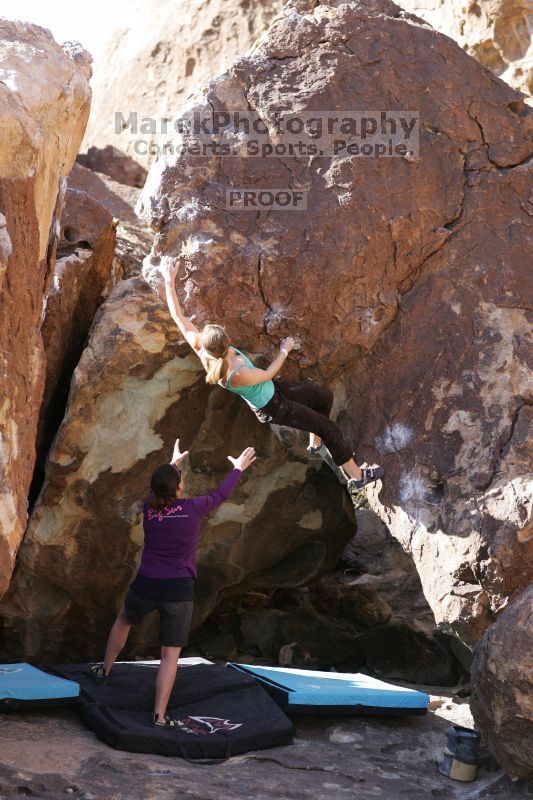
x=90, y=23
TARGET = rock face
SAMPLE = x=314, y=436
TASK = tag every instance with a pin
x=44, y=105
x=100, y=242
x=333, y=623
x=134, y=390
x=502, y=695
x=496, y=32
x=396, y=651
x=375, y=561
x=85, y=255
x=110, y=161
x=133, y=237
x=416, y=274
x=150, y=69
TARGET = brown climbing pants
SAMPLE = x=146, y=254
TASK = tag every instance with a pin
x=306, y=407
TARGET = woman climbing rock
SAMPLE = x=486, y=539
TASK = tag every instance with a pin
x=300, y=405
x=166, y=575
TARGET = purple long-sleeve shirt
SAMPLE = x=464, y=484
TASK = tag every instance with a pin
x=171, y=535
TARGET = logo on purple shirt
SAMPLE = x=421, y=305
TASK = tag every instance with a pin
x=166, y=513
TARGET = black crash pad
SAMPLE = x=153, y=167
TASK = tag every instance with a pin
x=220, y=712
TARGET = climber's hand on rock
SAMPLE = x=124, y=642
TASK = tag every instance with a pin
x=177, y=455
x=168, y=268
x=243, y=461
x=287, y=344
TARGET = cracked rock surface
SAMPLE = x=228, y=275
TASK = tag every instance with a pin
x=82, y=274
x=332, y=757
x=417, y=301
x=42, y=83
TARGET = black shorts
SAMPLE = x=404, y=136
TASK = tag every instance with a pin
x=174, y=618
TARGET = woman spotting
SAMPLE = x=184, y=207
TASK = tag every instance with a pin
x=166, y=575
x=301, y=405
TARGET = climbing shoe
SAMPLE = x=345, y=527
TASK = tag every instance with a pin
x=166, y=722
x=320, y=450
x=99, y=675
x=370, y=474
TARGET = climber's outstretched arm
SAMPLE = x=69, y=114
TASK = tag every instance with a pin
x=250, y=376
x=169, y=270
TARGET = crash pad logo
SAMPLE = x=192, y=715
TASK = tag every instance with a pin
x=203, y=725
x=6, y=670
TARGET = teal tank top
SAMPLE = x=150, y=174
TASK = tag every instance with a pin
x=256, y=396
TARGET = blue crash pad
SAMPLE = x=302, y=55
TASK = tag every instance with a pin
x=22, y=684
x=302, y=690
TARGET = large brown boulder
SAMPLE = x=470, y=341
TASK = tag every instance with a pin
x=416, y=273
x=100, y=241
x=44, y=105
x=327, y=624
x=154, y=61
x=85, y=256
x=502, y=687
x=133, y=237
x=496, y=32
x=136, y=388
x=375, y=560
x=112, y=162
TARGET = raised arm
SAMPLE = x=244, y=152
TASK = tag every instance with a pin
x=205, y=504
x=250, y=376
x=177, y=455
x=169, y=270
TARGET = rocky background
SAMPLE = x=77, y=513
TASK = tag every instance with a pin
x=152, y=64
x=416, y=311
x=41, y=82
x=495, y=32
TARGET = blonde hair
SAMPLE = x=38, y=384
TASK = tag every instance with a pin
x=216, y=342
